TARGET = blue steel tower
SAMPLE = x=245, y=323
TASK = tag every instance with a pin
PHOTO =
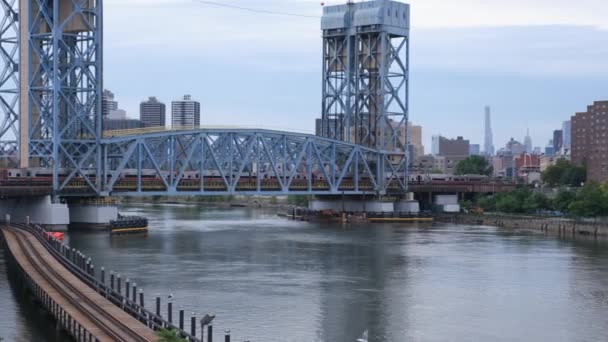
x=59, y=72
x=365, y=79
x=9, y=83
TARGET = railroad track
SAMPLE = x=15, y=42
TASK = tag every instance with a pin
x=101, y=315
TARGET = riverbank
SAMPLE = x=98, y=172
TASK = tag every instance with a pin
x=559, y=226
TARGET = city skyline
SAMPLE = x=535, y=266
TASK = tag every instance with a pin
x=537, y=85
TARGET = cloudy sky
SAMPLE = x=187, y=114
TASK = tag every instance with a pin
x=535, y=62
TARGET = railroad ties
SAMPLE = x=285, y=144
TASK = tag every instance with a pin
x=64, y=282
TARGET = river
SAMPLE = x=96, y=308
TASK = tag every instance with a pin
x=268, y=279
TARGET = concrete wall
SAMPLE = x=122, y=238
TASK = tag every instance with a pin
x=92, y=215
x=562, y=227
x=39, y=209
x=446, y=199
x=407, y=207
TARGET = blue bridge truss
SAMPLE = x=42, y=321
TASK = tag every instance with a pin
x=242, y=161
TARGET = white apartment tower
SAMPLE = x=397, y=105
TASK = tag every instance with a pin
x=185, y=113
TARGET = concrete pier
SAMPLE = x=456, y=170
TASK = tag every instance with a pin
x=39, y=210
x=364, y=206
x=92, y=216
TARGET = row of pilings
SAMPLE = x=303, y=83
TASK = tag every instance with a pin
x=124, y=294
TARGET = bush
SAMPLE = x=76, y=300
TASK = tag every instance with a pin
x=166, y=335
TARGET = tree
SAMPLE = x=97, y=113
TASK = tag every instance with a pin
x=474, y=165
x=563, y=199
x=564, y=174
x=519, y=201
x=590, y=201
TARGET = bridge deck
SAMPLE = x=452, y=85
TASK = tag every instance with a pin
x=101, y=318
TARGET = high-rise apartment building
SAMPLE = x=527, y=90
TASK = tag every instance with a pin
x=185, y=113
x=590, y=140
x=489, y=137
x=152, y=113
x=415, y=134
x=108, y=104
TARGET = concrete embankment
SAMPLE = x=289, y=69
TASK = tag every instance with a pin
x=551, y=225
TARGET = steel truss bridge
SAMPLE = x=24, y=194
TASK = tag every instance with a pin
x=51, y=82
x=246, y=161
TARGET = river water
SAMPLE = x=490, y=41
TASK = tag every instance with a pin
x=269, y=279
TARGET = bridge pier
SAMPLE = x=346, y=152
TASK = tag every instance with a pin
x=43, y=210
x=365, y=205
x=92, y=214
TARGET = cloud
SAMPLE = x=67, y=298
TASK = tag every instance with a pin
x=256, y=69
x=563, y=50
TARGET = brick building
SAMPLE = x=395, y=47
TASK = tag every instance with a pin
x=453, y=147
x=590, y=140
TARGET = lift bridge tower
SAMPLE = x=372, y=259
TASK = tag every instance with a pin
x=50, y=87
x=365, y=78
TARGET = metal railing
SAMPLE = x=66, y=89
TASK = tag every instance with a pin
x=132, y=301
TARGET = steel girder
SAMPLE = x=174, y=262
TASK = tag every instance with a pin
x=257, y=155
x=9, y=82
x=65, y=82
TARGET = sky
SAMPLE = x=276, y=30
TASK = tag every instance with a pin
x=535, y=63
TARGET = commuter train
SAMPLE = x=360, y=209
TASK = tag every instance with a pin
x=129, y=180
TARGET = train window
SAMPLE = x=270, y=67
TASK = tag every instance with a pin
x=10, y=174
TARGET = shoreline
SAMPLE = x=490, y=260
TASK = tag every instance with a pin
x=559, y=226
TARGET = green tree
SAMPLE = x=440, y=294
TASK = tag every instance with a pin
x=564, y=174
x=519, y=201
x=563, y=199
x=487, y=203
x=474, y=165
x=590, y=201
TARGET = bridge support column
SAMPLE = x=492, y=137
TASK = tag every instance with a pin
x=92, y=215
x=351, y=205
x=40, y=210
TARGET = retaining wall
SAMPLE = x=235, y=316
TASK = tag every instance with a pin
x=551, y=225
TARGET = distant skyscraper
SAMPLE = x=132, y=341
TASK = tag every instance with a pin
x=435, y=145
x=185, y=113
x=515, y=147
x=558, y=140
x=528, y=142
x=567, y=132
x=152, y=113
x=474, y=149
x=489, y=138
x=108, y=104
